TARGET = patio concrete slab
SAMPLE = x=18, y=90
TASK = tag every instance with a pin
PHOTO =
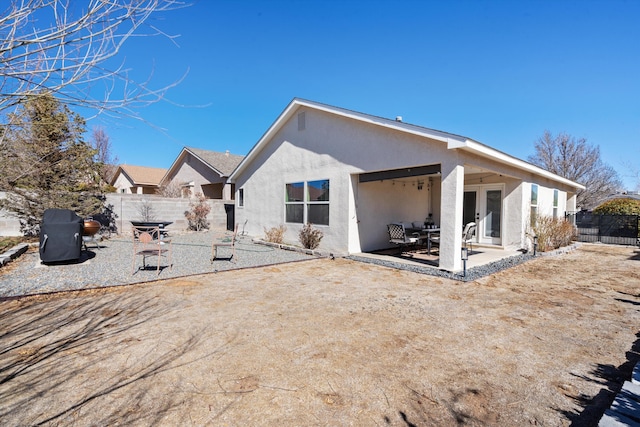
x=481, y=255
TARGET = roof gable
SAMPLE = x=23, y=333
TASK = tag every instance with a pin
x=140, y=175
x=220, y=163
x=224, y=163
x=453, y=141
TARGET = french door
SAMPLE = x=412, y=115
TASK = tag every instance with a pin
x=482, y=204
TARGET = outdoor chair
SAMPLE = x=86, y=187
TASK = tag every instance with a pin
x=434, y=239
x=467, y=235
x=398, y=235
x=231, y=244
x=149, y=242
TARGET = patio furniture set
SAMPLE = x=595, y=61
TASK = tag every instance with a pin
x=416, y=234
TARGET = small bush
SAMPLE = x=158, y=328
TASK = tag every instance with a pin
x=197, y=216
x=275, y=234
x=310, y=237
x=552, y=233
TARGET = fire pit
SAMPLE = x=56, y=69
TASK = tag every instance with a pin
x=91, y=227
x=152, y=224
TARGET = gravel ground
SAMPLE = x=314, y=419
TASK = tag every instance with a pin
x=472, y=274
x=112, y=264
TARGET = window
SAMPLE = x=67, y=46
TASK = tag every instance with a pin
x=307, y=202
x=534, y=204
x=241, y=197
x=318, y=202
x=294, y=202
x=555, y=204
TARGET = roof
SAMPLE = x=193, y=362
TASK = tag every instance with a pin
x=221, y=163
x=140, y=175
x=224, y=163
x=453, y=141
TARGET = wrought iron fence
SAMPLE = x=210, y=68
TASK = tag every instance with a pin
x=614, y=229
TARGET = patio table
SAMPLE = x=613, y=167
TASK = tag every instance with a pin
x=428, y=232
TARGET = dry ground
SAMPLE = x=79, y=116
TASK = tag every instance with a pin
x=329, y=343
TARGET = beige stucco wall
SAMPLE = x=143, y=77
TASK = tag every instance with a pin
x=332, y=148
x=204, y=180
x=337, y=148
x=123, y=183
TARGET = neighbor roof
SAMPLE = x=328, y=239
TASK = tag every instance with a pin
x=453, y=141
x=140, y=175
x=221, y=163
x=224, y=163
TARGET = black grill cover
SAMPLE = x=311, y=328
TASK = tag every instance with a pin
x=60, y=235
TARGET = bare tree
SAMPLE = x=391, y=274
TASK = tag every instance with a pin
x=633, y=172
x=61, y=47
x=107, y=161
x=578, y=161
x=170, y=189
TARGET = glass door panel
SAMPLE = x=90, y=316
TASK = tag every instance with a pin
x=493, y=213
x=469, y=207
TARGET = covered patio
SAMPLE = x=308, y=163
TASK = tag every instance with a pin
x=418, y=257
x=470, y=193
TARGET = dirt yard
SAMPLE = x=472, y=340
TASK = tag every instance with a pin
x=325, y=342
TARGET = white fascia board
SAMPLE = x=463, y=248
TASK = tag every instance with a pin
x=499, y=156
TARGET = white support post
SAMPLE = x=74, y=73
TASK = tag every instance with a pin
x=452, y=190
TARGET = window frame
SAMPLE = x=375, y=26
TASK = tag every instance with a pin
x=533, y=212
x=241, y=197
x=307, y=203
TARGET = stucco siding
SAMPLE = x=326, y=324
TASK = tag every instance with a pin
x=123, y=183
x=339, y=148
x=335, y=149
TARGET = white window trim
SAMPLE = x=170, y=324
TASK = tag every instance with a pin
x=306, y=203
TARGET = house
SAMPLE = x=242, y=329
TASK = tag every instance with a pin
x=202, y=171
x=130, y=179
x=350, y=174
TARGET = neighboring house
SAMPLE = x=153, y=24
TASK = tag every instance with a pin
x=130, y=179
x=201, y=171
x=350, y=174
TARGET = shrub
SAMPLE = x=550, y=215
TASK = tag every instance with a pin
x=275, y=234
x=197, y=216
x=619, y=207
x=310, y=237
x=552, y=233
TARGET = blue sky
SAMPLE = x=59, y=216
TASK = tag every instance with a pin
x=499, y=72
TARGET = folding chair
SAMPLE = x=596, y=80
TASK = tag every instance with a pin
x=148, y=241
x=231, y=244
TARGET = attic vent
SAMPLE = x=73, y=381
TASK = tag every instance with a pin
x=301, y=121
x=398, y=118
